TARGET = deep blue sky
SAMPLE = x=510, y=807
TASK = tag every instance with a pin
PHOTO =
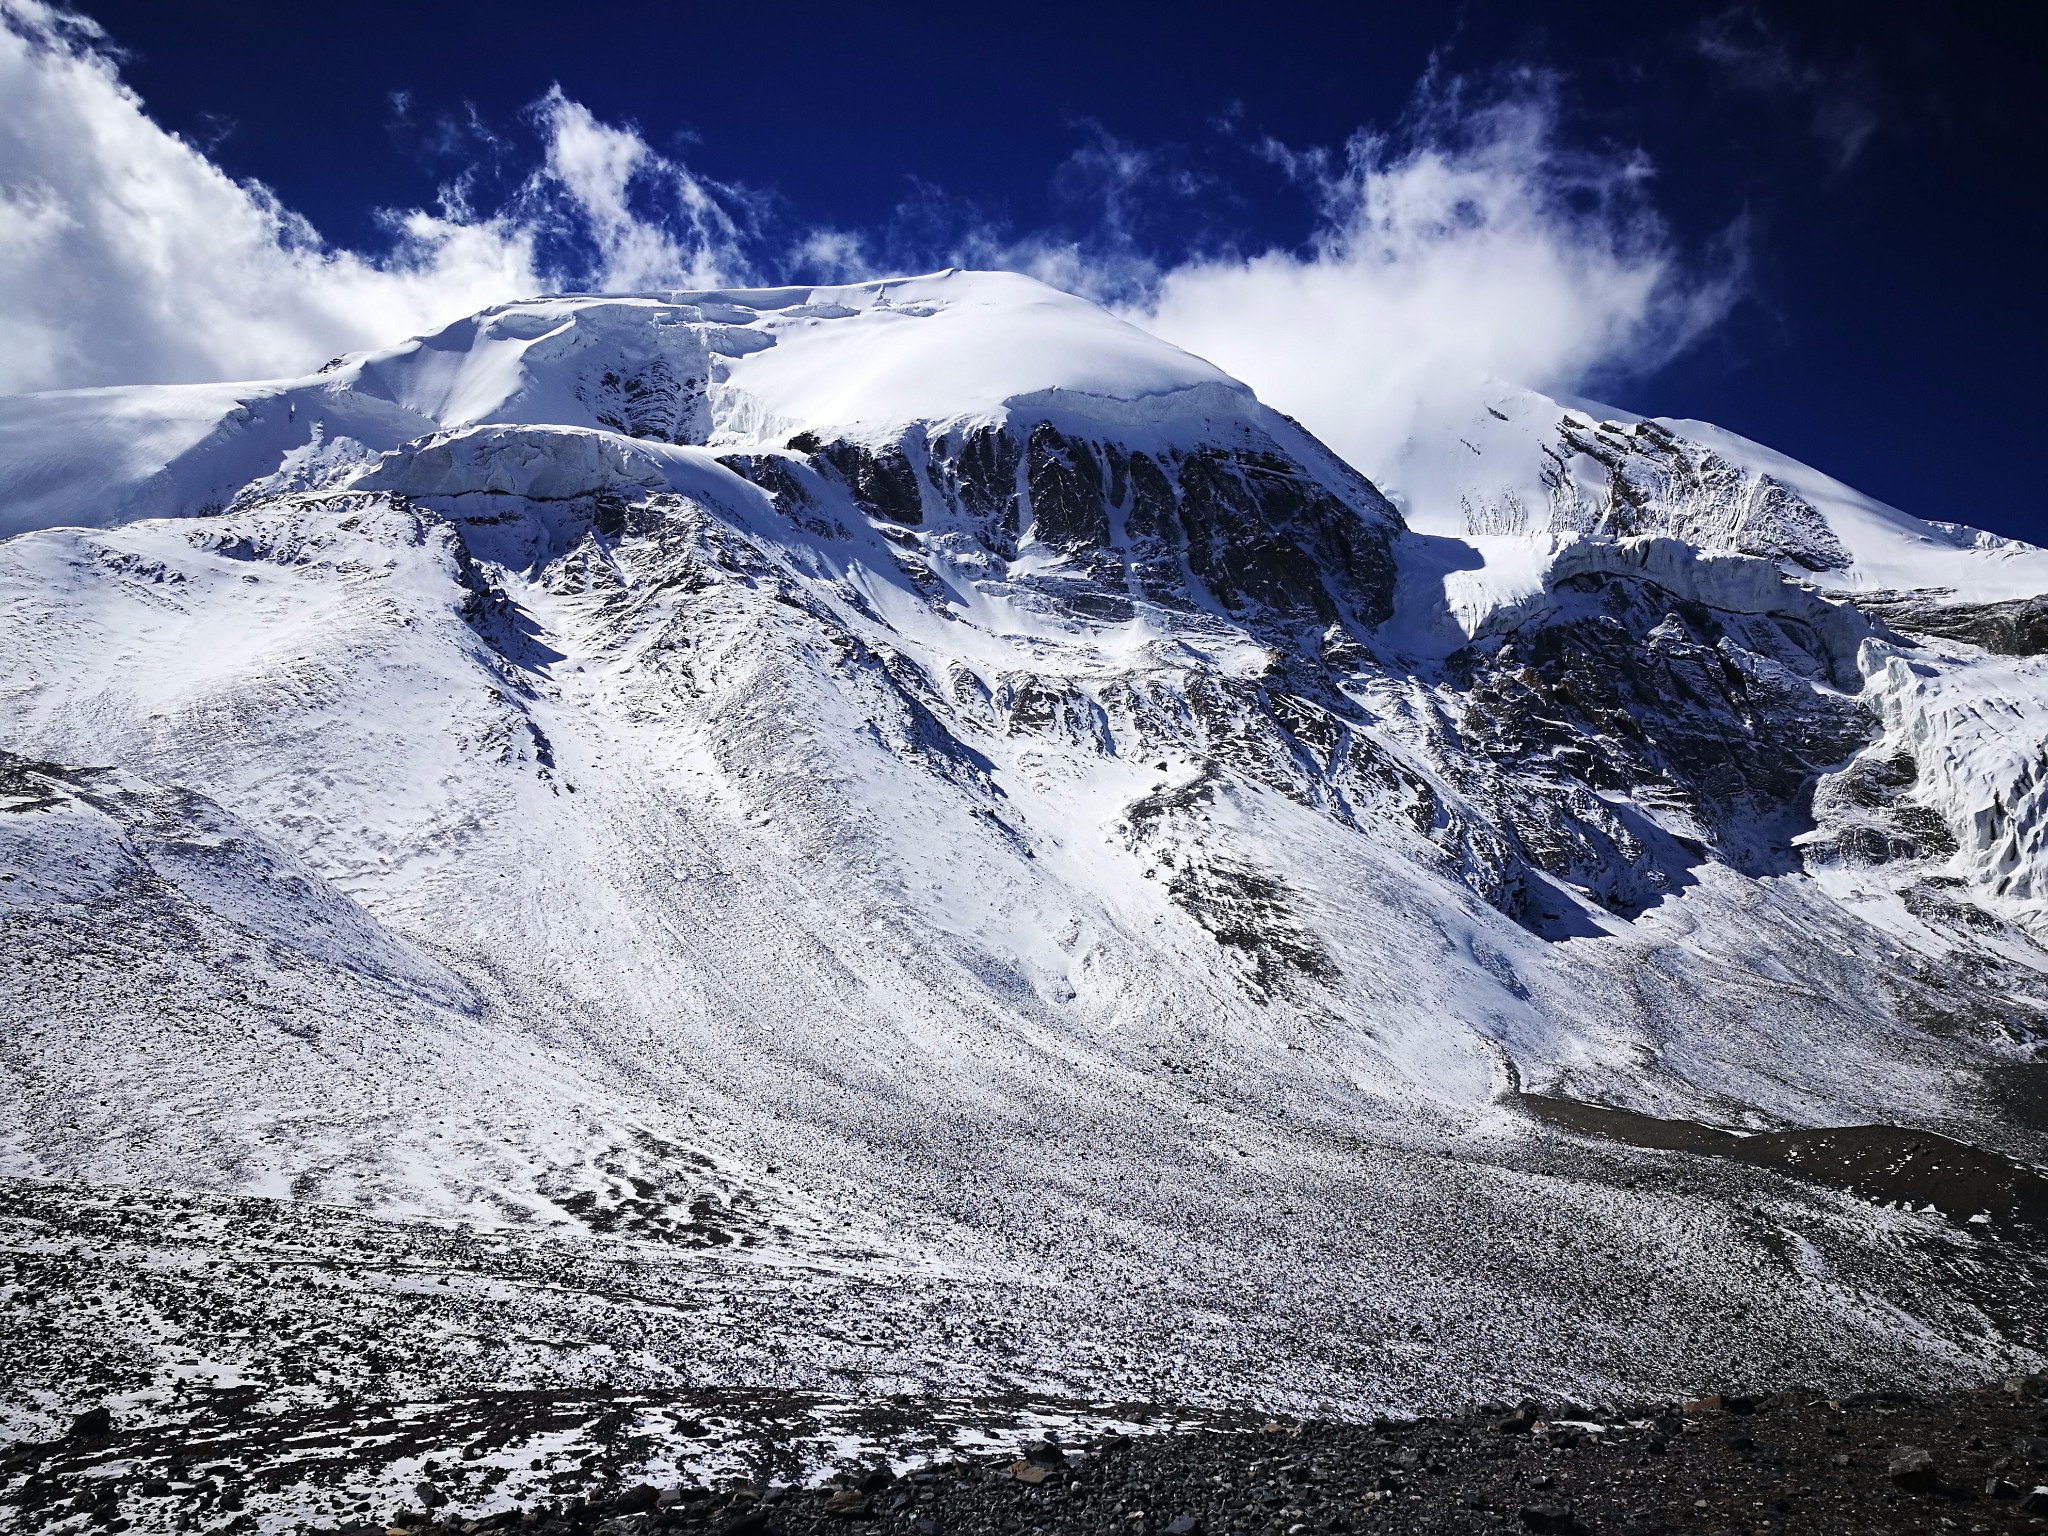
x=1883, y=162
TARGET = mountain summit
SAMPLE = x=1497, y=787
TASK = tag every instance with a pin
x=986, y=861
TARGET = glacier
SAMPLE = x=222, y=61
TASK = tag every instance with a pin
x=913, y=840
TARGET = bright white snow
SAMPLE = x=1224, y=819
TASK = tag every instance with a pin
x=1144, y=974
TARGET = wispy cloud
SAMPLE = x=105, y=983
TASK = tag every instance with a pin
x=126, y=255
x=1469, y=244
x=1840, y=102
x=649, y=221
x=1469, y=241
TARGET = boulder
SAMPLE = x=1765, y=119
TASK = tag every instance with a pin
x=1913, y=1469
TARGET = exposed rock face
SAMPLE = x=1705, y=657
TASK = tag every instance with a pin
x=2015, y=628
x=1244, y=529
x=1727, y=719
x=1626, y=479
x=1872, y=818
x=881, y=484
x=648, y=398
x=1658, y=483
x=1652, y=710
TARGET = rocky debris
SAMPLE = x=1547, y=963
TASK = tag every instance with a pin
x=1784, y=1462
x=2015, y=628
x=1913, y=1468
x=1249, y=911
x=1883, y=1163
x=1551, y=1520
x=658, y=1190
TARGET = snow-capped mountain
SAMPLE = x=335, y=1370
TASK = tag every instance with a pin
x=1519, y=463
x=921, y=803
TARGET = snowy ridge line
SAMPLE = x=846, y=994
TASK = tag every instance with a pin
x=1511, y=465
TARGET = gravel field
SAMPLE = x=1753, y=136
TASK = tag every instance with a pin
x=1783, y=1462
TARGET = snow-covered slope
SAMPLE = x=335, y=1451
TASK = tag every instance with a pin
x=1523, y=492
x=1519, y=465
x=952, y=804
x=738, y=368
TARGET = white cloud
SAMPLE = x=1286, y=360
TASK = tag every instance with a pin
x=1471, y=245
x=126, y=256
x=689, y=239
x=1840, y=96
x=1476, y=247
x=836, y=256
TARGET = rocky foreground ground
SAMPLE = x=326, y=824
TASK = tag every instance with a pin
x=1786, y=1462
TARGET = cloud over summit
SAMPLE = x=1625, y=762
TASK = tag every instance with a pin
x=1473, y=244
x=1470, y=242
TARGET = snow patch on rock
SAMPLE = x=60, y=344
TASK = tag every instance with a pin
x=1978, y=730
